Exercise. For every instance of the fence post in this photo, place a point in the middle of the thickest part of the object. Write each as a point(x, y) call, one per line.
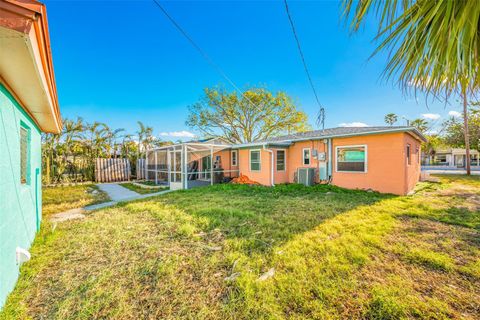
point(184, 166)
point(211, 165)
point(156, 168)
point(146, 164)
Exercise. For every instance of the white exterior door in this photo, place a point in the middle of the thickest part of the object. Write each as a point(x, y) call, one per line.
point(175, 165)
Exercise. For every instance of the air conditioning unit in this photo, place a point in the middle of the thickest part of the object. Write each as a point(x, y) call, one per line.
point(306, 176)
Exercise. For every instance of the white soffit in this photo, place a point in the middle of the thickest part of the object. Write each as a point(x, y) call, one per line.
point(21, 69)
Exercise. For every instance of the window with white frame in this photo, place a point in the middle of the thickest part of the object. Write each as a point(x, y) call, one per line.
point(255, 160)
point(280, 160)
point(234, 158)
point(306, 156)
point(351, 158)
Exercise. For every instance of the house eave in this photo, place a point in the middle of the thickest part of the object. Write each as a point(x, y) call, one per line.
point(262, 144)
point(26, 68)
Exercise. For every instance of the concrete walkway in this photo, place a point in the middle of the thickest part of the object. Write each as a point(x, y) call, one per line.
point(116, 192)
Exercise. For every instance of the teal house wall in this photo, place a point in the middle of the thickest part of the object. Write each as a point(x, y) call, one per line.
point(20, 204)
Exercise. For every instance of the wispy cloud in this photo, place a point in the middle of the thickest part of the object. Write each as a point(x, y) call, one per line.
point(353, 124)
point(431, 116)
point(455, 114)
point(178, 134)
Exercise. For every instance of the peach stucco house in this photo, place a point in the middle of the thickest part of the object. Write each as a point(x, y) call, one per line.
point(384, 159)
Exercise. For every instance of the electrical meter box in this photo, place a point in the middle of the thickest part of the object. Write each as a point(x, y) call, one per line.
point(322, 156)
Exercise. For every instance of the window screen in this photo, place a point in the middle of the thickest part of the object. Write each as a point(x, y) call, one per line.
point(351, 159)
point(306, 156)
point(234, 158)
point(255, 160)
point(280, 160)
point(24, 155)
point(409, 156)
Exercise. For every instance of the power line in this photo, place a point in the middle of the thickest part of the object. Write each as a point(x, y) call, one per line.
point(202, 52)
point(321, 113)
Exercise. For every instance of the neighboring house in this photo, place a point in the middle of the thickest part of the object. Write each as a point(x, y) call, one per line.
point(384, 159)
point(451, 158)
point(28, 105)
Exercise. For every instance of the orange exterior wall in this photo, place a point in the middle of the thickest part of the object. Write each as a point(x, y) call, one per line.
point(295, 156)
point(385, 164)
point(226, 162)
point(264, 175)
point(412, 171)
point(387, 168)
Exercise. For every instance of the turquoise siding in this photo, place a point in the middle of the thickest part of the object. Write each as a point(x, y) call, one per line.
point(20, 204)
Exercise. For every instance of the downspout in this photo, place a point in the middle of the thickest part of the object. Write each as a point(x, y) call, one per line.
point(329, 163)
point(272, 182)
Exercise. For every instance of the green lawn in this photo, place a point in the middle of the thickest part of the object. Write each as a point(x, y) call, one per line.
point(147, 182)
point(200, 254)
point(61, 198)
point(141, 190)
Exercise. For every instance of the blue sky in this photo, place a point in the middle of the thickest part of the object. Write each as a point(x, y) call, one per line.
point(119, 61)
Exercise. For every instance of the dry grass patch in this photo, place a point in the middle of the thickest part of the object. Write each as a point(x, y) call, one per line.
point(426, 269)
point(62, 198)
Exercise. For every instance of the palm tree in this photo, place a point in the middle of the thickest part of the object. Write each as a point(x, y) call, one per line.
point(113, 136)
point(140, 134)
point(125, 148)
point(145, 137)
point(433, 45)
point(391, 118)
point(420, 124)
point(48, 150)
point(95, 141)
point(71, 137)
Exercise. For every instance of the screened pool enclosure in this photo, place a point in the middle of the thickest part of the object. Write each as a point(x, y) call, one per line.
point(189, 165)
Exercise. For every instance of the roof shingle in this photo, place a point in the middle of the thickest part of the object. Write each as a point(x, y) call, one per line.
point(338, 131)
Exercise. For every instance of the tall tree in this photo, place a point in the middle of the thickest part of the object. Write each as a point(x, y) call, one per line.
point(145, 137)
point(255, 114)
point(454, 129)
point(391, 119)
point(434, 142)
point(434, 45)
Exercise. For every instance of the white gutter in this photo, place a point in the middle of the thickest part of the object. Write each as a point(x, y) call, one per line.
point(271, 166)
point(285, 143)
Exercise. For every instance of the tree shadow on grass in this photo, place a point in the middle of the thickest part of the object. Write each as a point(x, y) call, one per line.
point(257, 218)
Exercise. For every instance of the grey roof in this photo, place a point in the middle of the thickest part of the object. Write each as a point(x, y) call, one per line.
point(212, 140)
point(336, 132)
